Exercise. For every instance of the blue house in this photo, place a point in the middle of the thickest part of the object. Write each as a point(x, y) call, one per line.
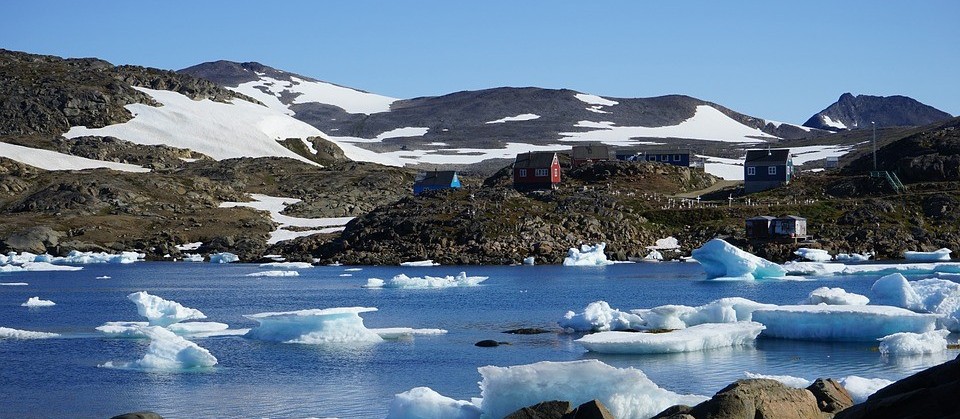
point(766, 169)
point(437, 179)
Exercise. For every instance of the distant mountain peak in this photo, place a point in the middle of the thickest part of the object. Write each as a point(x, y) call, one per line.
point(860, 111)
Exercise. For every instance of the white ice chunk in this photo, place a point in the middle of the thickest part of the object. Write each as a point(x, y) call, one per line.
point(419, 263)
point(860, 388)
point(403, 281)
point(626, 392)
point(669, 243)
point(37, 302)
point(37, 267)
point(123, 329)
point(273, 273)
point(316, 326)
point(813, 268)
point(723, 260)
point(587, 256)
point(843, 323)
point(895, 290)
point(598, 317)
point(653, 256)
point(168, 352)
point(192, 257)
point(423, 402)
point(529, 260)
point(14, 284)
point(853, 257)
point(189, 246)
point(935, 256)
point(814, 255)
point(835, 296)
point(8, 333)
point(160, 312)
point(197, 328)
point(934, 341)
point(103, 277)
point(787, 380)
point(696, 338)
point(405, 332)
point(287, 265)
point(932, 295)
point(724, 310)
point(224, 257)
point(83, 258)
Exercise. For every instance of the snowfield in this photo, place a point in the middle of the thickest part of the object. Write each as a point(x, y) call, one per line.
point(52, 160)
point(350, 100)
point(275, 205)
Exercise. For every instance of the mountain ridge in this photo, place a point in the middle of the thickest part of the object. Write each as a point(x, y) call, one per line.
point(862, 111)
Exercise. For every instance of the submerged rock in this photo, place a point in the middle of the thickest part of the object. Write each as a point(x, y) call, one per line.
point(489, 343)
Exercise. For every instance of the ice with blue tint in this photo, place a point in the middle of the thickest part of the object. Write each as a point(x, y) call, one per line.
point(423, 403)
point(8, 333)
point(224, 257)
point(931, 295)
point(724, 310)
point(935, 256)
point(725, 261)
point(78, 257)
point(934, 341)
point(598, 316)
point(168, 352)
point(587, 255)
point(835, 296)
point(273, 274)
point(287, 265)
point(841, 323)
point(853, 257)
point(37, 302)
point(403, 281)
point(626, 392)
point(695, 338)
point(160, 312)
point(813, 255)
point(315, 326)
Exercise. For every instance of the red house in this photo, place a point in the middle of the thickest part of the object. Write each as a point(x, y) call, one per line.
point(536, 170)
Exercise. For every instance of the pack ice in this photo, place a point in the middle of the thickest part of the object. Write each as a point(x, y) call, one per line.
point(931, 295)
point(844, 322)
point(403, 281)
point(315, 326)
point(696, 338)
point(725, 261)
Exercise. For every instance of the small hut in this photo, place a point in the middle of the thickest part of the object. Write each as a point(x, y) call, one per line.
point(789, 227)
point(758, 228)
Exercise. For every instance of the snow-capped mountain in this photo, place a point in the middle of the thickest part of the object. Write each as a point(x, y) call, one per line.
point(471, 126)
point(853, 112)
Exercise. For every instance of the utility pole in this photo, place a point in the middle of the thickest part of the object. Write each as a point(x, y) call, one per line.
point(874, 125)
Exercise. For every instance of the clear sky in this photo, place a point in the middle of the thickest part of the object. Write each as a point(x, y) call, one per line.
point(779, 60)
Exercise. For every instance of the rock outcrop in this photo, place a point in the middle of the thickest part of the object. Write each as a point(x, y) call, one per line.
point(931, 393)
point(752, 399)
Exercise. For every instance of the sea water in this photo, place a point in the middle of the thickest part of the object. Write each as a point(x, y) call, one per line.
point(61, 377)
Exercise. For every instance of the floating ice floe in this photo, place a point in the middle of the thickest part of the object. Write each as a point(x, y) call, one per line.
point(84, 258)
point(224, 257)
point(37, 267)
point(403, 281)
point(123, 329)
point(188, 329)
point(14, 284)
point(316, 326)
point(724, 310)
point(423, 402)
point(841, 323)
point(287, 265)
point(935, 256)
point(168, 352)
point(37, 302)
point(626, 392)
point(529, 261)
point(695, 338)
point(723, 260)
point(160, 312)
point(353, 269)
point(814, 255)
point(853, 257)
point(274, 273)
point(192, 257)
point(415, 263)
point(103, 277)
point(653, 256)
point(587, 255)
point(931, 295)
point(835, 296)
point(599, 317)
point(8, 333)
point(931, 342)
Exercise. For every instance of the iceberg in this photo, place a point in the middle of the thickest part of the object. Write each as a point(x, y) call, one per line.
point(423, 402)
point(316, 326)
point(8, 333)
point(935, 256)
point(224, 257)
point(598, 317)
point(428, 262)
point(123, 329)
point(37, 302)
point(287, 265)
point(189, 329)
point(813, 268)
point(813, 255)
point(724, 310)
point(931, 295)
point(84, 258)
point(529, 260)
point(197, 328)
point(587, 256)
point(403, 281)
point(895, 290)
point(160, 312)
point(37, 267)
point(14, 284)
point(695, 338)
point(192, 257)
point(841, 323)
point(626, 392)
point(653, 256)
point(934, 341)
point(723, 260)
point(835, 296)
point(168, 352)
point(273, 273)
point(853, 257)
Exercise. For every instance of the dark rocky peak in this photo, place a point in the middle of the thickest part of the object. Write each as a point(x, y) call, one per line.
point(233, 74)
point(852, 112)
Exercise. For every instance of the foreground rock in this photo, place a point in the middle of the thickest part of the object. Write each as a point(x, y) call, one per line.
point(556, 409)
point(831, 396)
point(752, 399)
point(931, 393)
point(138, 415)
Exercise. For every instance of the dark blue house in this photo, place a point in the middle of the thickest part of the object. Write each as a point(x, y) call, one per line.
point(674, 157)
point(437, 179)
point(766, 169)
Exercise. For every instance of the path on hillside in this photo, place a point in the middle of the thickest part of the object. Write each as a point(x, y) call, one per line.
point(715, 187)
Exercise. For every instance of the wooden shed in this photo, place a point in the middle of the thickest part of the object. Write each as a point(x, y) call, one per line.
point(758, 228)
point(789, 227)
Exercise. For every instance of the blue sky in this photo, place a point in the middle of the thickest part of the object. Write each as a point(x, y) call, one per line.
point(771, 59)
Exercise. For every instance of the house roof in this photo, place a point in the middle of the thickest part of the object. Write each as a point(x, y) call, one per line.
point(774, 156)
point(761, 218)
point(535, 160)
point(583, 152)
point(791, 217)
point(436, 178)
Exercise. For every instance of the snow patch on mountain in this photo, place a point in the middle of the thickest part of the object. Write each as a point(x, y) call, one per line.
point(831, 123)
point(595, 100)
point(521, 117)
point(707, 124)
point(52, 160)
point(777, 124)
point(268, 90)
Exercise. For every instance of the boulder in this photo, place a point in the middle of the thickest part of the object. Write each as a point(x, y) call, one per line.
point(758, 399)
point(554, 409)
point(931, 393)
point(831, 396)
point(679, 411)
point(593, 409)
point(489, 343)
point(138, 415)
point(34, 239)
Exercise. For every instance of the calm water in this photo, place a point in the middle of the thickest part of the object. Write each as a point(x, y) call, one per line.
point(60, 377)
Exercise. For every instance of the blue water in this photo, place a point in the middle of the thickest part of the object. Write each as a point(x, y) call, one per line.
point(60, 377)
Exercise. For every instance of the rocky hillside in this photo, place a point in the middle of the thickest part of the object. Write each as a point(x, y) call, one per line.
point(932, 154)
point(853, 112)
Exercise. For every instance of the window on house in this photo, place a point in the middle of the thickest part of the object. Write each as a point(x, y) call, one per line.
point(664, 157)
point(541, 172)
point(676, 157)
point(522, 173)
point(652, 158)
point(751, 171)
point(772, 170)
